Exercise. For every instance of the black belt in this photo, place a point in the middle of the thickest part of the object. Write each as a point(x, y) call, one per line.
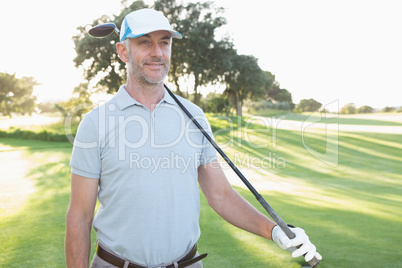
point(116, 261)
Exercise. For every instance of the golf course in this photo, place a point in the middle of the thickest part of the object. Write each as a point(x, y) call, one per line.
point(338, 177)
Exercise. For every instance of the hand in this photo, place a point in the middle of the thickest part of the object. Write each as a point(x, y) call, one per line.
point(301, 239)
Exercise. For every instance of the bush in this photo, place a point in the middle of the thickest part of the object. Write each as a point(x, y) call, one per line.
point(389, 109)
point(349, 108)
point(257, 106)
point(42, 135)
point(308, 105)
point(365, 110)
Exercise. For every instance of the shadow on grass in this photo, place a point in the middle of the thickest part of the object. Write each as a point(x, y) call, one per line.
point(340, 120)
point(345, 237)
point(368, 163)
point(353, 216)
point(35, 236)
point(353, 212)
point(229, 246)
point(349, 235)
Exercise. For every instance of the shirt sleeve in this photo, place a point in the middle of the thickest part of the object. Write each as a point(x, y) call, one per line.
point(85, 159)
point(209, 153)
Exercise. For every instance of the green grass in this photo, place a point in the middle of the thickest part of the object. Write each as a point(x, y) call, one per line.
point(33, 236)
point(352, 119)
point(55, 131)
point(351, 211)
point(342, 119)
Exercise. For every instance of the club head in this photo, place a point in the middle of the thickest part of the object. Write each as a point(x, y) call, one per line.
point(103, 30)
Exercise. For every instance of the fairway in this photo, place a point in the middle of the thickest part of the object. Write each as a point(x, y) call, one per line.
point(349, 200)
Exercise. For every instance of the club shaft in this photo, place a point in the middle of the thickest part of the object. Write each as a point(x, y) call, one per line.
point(278, 220)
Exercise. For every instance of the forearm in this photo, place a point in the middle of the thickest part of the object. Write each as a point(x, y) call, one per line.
point(78, 242)
point(239, 212)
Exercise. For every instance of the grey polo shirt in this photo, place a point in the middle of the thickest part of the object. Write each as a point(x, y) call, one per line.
point(147, 164)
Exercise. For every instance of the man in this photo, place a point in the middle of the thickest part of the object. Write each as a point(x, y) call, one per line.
point(144, 159)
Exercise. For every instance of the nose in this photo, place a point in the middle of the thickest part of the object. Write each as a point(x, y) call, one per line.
point(156, 51)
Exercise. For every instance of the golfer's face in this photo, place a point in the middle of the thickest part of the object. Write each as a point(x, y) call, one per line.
point(149, 57)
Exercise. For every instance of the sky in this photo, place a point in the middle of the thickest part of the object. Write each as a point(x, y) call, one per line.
point(339, 51)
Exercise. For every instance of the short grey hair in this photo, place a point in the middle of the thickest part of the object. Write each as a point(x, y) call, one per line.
point(127, 44)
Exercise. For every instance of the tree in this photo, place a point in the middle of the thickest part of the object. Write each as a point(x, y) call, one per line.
point(365, 110)
point(349, 108)
point(275, 93)
point(16, 94)
point(79, 104)
point(199, 55)
point(244, 80)
point(389, 109)
point(47, 107)
point(308, 105)
point(216, 103)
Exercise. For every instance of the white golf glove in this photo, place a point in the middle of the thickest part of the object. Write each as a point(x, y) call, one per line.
point(301, 239)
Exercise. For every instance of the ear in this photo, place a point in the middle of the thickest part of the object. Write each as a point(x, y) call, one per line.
point(122, 51)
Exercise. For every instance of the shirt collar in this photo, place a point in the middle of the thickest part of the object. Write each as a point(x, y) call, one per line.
point(124, 100)
point(167, 98)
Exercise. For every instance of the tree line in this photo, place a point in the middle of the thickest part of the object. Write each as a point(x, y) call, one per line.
point(199, 55)
point(311, 105)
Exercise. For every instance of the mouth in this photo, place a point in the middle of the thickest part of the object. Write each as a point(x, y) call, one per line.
point(155, 65)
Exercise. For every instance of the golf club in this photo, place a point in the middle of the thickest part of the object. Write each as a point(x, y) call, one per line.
point(104, 30)
point(313, 262)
